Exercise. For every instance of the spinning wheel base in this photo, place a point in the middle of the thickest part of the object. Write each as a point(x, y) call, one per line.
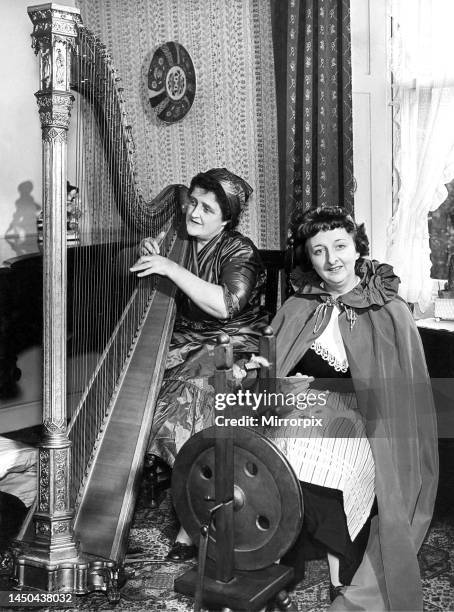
point(248, 590)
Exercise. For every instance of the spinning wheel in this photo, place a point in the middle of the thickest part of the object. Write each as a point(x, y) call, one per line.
point(267, 499)
point(237, 496)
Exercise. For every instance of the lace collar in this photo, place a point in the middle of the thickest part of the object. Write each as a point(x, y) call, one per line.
point(329, 344)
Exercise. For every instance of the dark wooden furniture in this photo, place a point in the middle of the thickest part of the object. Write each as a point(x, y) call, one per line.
point(90, 319)
point(276, 265)
point(439, 351)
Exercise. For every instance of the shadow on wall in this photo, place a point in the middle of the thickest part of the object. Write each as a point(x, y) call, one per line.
point(23, 222)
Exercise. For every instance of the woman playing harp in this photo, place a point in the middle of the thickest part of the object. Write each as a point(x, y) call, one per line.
point(220, 291)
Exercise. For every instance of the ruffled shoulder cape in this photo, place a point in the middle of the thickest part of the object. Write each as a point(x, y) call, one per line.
point(393, 390)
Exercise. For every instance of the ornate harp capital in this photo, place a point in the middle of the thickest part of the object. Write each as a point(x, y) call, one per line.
point(54, 112)
point(55, 29)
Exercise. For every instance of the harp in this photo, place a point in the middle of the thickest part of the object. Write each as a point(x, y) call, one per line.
point(90, 457)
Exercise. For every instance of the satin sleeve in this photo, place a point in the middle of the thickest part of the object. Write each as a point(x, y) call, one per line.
point(238, 278)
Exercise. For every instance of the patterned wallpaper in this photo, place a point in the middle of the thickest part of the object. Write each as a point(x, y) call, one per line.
point(232, 122)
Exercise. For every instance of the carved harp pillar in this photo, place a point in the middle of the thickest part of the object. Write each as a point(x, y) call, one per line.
point(53, 38)
point(91, 455)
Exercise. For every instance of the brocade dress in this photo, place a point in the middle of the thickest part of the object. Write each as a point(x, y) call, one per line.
point(186, 400)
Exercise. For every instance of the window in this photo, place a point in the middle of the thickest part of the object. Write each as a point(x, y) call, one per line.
point(423, 141)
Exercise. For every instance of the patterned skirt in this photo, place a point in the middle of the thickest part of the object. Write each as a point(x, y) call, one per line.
point(183, 408)
point(186, 400)
point(333, 452)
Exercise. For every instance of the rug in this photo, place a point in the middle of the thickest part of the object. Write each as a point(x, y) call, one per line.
point(151, 585)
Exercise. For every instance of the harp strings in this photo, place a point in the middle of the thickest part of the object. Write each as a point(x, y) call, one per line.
point(106, 303)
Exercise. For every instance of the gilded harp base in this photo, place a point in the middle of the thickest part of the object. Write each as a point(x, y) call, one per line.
point(79, 577)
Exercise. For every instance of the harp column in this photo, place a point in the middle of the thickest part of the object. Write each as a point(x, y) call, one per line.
point(54, 37)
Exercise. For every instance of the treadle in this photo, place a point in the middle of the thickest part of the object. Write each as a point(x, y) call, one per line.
point(248, 590)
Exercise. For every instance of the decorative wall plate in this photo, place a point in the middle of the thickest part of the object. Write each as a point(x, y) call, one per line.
point(171, 82)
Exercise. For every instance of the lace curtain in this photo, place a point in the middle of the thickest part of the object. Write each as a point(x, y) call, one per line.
point(423, 100)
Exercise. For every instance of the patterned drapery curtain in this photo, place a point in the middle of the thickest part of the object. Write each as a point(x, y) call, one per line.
point(314, 100)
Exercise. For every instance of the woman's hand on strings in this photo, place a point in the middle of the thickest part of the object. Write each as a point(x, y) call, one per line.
point(150, 261)
point(209, 297)
point(153, 264)
point(151, 246)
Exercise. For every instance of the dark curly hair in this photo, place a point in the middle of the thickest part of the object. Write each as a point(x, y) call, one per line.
point(210, 184)
point(324, 219)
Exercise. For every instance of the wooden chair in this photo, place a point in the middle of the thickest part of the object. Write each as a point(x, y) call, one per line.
point(276, 266)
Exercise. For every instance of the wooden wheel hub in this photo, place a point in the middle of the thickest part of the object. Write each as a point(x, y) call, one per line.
point(267, 498)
